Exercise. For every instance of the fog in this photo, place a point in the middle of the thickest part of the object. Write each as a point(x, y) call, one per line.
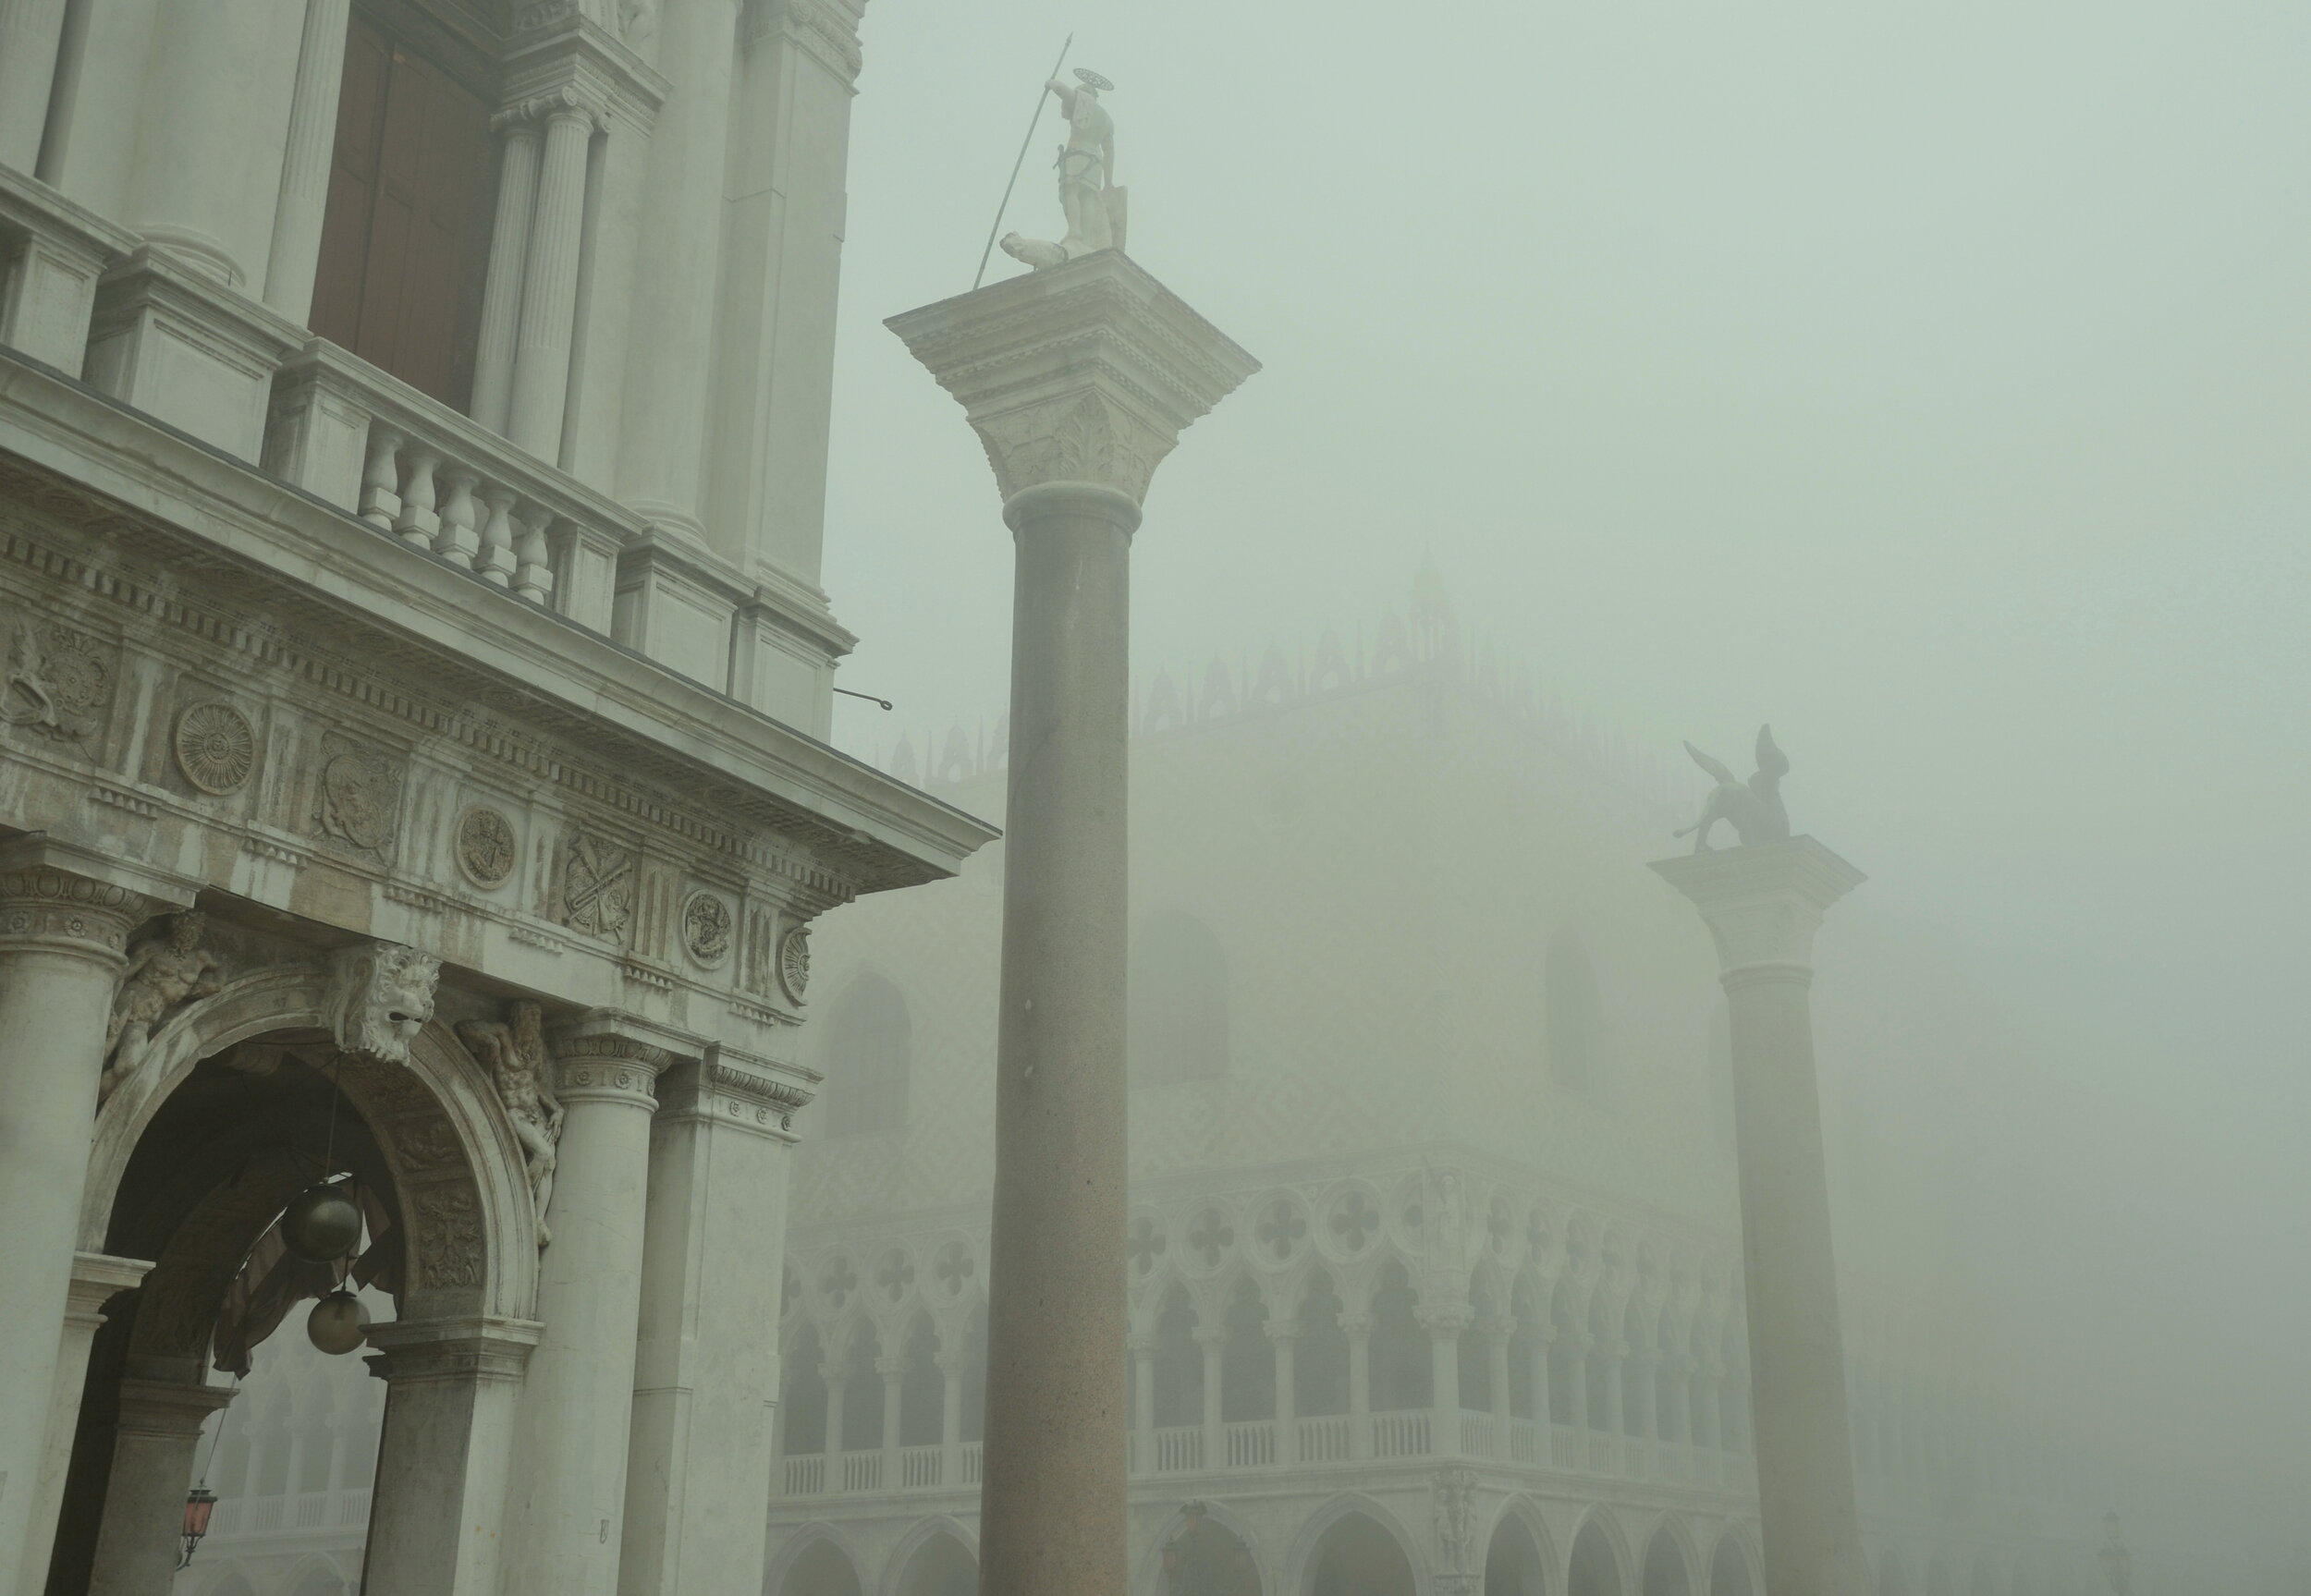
point(1930, 381)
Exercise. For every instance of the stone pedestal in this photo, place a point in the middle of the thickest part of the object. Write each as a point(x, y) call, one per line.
point(59, 250)
point(169, 341)
point(1077, 380)
point(1763, 905)
point(153, 1450)
point(564, 1529)
point(66, 914)
point(440, 1490)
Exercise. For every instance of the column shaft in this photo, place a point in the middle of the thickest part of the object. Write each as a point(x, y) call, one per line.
point(1143, 1400)
point(549, 288)
point(509, 264)
point(1215, 1344)
point(1502, 1409)
point(154, 1451)
point(568, 1513)
point(1052, 1508)
point(312, 135)
point(1444, 1374)
point(1359, 1328)
point(1287, 1397)
point(30, 31)
point(96, 1278)
point(1542, 1417)
point(950, 1421)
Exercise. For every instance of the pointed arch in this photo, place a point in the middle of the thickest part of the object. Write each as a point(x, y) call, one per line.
point(816, 1561)
point(1735, 1568)
point(937, 1556)
point(1669, 1562)
point(1221, 1546)
point(1353, 1532)
point(1599, 1562)
point(1520, 1557)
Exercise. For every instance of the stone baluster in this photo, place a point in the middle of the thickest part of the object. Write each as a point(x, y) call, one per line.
point(508, 265)
point(419, 523)
point(66, 913)
point(549, 288)
point(498, 559)
point(1358, 1327)
point(533, 568)
point(459, 539)
point(295, 257)
point(381, 478)
point(1284, 1333)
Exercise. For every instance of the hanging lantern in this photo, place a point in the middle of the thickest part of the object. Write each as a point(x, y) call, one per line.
point(200, 1501)
point(320, 1225)
point(338, 1323)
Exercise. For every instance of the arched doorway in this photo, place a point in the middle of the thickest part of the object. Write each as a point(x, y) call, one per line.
point(1595, 1570)
point(1729, 1570)
point(940, 1566)
point(1665, 1572)
point(1512, 1563)
point(1204, 1557)
point(821, 1570)
point(1357, 1558)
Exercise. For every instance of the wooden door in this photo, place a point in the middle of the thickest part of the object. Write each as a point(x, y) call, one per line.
point(405, 242)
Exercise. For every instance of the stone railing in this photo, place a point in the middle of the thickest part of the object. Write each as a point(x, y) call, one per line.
point(417, 471)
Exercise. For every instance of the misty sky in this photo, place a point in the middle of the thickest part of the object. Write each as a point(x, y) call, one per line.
point(1931, 379)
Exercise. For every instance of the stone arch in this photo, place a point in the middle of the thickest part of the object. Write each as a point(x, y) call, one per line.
point(1520, 1555)
point(1357, 1532)
point(1735, 1568)
point(937, 1556)
point(1670, 1565)
point(448, 1144)
point(316, 1576)
point(1598, 1561)
point(817, 1560)
point(1891, 1579)
point(1248, 1574)
point(1320, 1362)
point(1938, 1580)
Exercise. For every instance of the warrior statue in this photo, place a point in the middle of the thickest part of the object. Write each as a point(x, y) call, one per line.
point(1088, 194)
point(515, 1057)
point(1751, 808)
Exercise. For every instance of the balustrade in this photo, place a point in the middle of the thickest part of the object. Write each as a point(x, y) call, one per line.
point(1180, 1449)
point(862, 1471)
point(1480, 1437)
point(919, 1467)
point(1328, 1439)
point(1401, 1434)
point(1251, 1444)
point(1564, 1445)
point(973, 1452)
point(806, 1475)
point(1525, 1442)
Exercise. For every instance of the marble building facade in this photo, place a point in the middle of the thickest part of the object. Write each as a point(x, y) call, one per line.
point(411, 759)
point(1434, 1263)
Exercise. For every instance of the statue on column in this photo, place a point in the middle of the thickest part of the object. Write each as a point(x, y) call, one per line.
point(1094, 205)
point(1753, 808)
point(163, 974)
point(516, 1058)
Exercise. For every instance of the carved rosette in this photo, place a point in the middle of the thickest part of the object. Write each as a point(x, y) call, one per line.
point(216, 748)
point(794, 963)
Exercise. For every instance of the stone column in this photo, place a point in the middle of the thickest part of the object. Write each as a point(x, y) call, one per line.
point(1359, 1329)
point(66, 913)
point(549, 283)
point(96, 1279)
point(1503, 1410)
point(437, 1499)
point(953, 1371)
point(313, 137)
point(1215, 1346)
point(1444, 1326)
point(509, 264)
point(893, 1371)
point(1285, 1334)
point(566, 1526)
point(834, 1375)
point(1578, 1382)
point(155, 1448)
point(1763, 905)
point(700, 1462)
point(1077, 380)
point(1616, 1422)
point(1142, 1346)
point(30, 31)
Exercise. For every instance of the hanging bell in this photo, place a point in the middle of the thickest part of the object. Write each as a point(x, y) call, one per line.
point(338, 1323)
point(320, 1225)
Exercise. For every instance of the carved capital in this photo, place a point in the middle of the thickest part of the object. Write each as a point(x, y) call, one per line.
point(1763, 903)
point(1446, 1318)
point(1086, 372)
point(69, 899)
point(1282, 1329)
point(467, 1347)
point(168, 1408)
point(726, 1088)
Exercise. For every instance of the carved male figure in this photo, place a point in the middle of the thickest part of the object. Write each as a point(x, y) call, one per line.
point(1751, 808)
point(515, 1057)
point(163, 973)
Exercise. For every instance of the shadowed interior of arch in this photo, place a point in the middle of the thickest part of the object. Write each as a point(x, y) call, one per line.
point(1357, 1558)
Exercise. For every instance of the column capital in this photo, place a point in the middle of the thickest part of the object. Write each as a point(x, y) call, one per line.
point(1445, 1319)
point(610, 1056)
point(467, 1346)
point(97, 1278)
point(1354, 1325)
point(891, 1368)
point(1087, 373)
point(168, 1408)
point(1216, 1337)
point(1282, 1329)
point(734, 1089)
point(1763, 902)
point(75, 900)
point(1141, 1343)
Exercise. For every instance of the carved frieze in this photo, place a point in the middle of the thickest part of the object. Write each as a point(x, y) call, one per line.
point(448, 1234)
point(357, 797)
point(58, 682)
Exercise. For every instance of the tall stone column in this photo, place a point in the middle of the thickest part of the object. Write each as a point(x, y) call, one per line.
point(1444, 1326)
point(438, 1497)
point(313, 137)
point(1215, 1344)
point(1142, 1346)
point(549, 283)
point(566, 1523)
point(509, 264)
point(1285, 1334)
point(96, 1279)
point(699, 1463)
point(1358, 1327)
point(1077, 380)
point(953, 1371)
point(154, 1447)
point(66, 913)
point(30, 31)
point(1763, 904)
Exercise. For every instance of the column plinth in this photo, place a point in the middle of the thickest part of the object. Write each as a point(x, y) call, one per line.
point(1077, 380)
point(1763, 905)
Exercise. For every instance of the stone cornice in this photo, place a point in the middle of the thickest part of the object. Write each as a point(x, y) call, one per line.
point(572, 59)
point(1085, 372)
point(721, 1090)
point(468, 1347)
point(335, 601)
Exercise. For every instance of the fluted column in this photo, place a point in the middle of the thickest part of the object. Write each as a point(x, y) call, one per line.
point(1284, 1333)
point(1077, 380)
point(508, 265)
point(154, 1446)
point(565, 1527)
point(312, 135)
point(549, 285)
point(66, 913)
point(1763, 904)
point(30, 31)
